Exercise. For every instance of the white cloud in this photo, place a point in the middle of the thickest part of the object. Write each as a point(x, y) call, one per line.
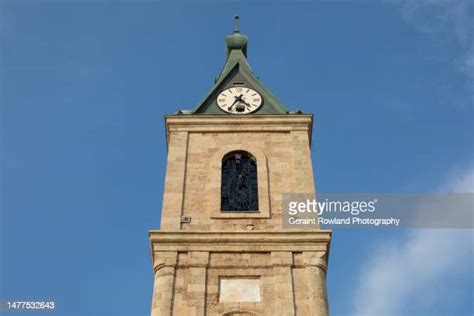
point(399, 270)
point(449, 18)
point(461, 181)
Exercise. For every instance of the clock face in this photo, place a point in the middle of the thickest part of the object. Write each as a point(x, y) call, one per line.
point(239, 100)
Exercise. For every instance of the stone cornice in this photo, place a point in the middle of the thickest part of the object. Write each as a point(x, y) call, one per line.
point(235, 118)
point(322, 236)
point(238, 123)
point(240, 241)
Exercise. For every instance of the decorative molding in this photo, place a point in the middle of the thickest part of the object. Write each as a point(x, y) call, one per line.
point(241, 241)
point(161, 266)
point(239, 123)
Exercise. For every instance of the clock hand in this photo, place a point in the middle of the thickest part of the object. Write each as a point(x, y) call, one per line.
point(236, 100)
point(244, 102)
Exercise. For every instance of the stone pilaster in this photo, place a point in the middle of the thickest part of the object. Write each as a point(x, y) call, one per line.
point(198, 264)
point(163, 288)
point(290, 265)
point(315, 270)
point(283, 283)
point(302, 180)
point(173, 196)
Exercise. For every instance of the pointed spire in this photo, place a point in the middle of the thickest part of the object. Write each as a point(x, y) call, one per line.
point(236, 22)
point(235, 65)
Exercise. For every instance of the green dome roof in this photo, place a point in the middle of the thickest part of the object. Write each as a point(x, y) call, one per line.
point(236, 40)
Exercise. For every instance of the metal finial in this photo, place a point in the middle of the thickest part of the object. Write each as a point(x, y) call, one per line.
point(236, 21)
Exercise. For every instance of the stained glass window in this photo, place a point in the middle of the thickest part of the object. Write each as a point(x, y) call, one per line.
point(239, 186)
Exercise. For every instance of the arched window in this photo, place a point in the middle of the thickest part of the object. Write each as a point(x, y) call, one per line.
point(239, 186)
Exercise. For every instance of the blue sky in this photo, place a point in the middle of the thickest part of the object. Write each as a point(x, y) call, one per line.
point(84, 86)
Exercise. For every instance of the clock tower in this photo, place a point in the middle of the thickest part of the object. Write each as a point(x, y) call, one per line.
point(222, 248)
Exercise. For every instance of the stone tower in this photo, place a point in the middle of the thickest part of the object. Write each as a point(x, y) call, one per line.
point(221, 248)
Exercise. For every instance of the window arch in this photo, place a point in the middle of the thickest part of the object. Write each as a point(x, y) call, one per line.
point(239, 185)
